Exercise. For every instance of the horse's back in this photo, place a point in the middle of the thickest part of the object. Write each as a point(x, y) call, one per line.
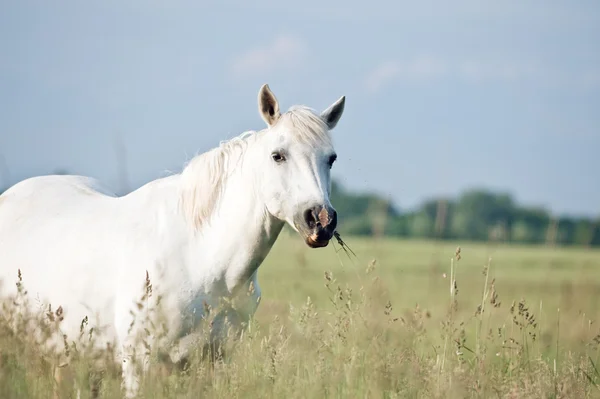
point(38, 205)
point(51, 229)
point(46, 188)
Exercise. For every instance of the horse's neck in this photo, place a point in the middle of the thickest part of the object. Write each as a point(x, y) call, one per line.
point(239, 236)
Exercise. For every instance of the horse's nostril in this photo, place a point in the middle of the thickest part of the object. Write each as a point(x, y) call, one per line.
point(309, 218)
point(322, 218)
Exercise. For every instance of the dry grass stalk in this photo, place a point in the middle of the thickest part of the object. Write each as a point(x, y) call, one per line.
point(354, 345)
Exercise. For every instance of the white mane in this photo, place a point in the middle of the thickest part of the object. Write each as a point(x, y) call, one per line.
point(204, 177)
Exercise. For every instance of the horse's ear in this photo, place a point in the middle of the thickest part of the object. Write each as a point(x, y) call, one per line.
point(268, 107)
point(332, 115)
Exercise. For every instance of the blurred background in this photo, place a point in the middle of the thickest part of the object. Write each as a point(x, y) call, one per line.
point(474, 120)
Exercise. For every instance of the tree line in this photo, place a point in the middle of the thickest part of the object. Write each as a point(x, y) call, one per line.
point(476, 215)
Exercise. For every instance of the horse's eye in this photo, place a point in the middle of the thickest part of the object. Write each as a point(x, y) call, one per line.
point(277, 157)
point(332, 160)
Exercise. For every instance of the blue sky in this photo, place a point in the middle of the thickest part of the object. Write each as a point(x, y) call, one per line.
point(441, 96)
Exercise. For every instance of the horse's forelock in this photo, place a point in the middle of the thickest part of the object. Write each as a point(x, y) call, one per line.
point(307, 125)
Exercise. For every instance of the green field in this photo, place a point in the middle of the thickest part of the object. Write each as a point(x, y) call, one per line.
point(384, 324)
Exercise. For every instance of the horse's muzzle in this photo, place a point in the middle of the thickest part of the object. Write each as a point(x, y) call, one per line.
point(317, 225)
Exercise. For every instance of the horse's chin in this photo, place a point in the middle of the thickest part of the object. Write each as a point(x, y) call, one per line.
point(311, 242)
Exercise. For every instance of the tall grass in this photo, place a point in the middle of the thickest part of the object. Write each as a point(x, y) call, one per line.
point(350, 335)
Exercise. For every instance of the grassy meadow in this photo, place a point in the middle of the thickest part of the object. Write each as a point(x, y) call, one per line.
point(520, 322)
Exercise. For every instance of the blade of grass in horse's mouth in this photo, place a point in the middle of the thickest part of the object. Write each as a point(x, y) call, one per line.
point(343, 244)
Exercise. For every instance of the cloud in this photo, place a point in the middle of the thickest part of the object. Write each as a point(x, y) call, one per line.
point(383, 74)
point(422, 68)
point(474, 70)
point(284, 53)
point(502, 70)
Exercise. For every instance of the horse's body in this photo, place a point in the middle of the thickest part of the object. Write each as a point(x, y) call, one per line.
point(200, 235)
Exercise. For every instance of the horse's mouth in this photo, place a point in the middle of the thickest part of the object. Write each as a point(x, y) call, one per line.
point(314, 243)
point(312, 238)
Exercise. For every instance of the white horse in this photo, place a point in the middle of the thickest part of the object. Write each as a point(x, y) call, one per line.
point(200, 235)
